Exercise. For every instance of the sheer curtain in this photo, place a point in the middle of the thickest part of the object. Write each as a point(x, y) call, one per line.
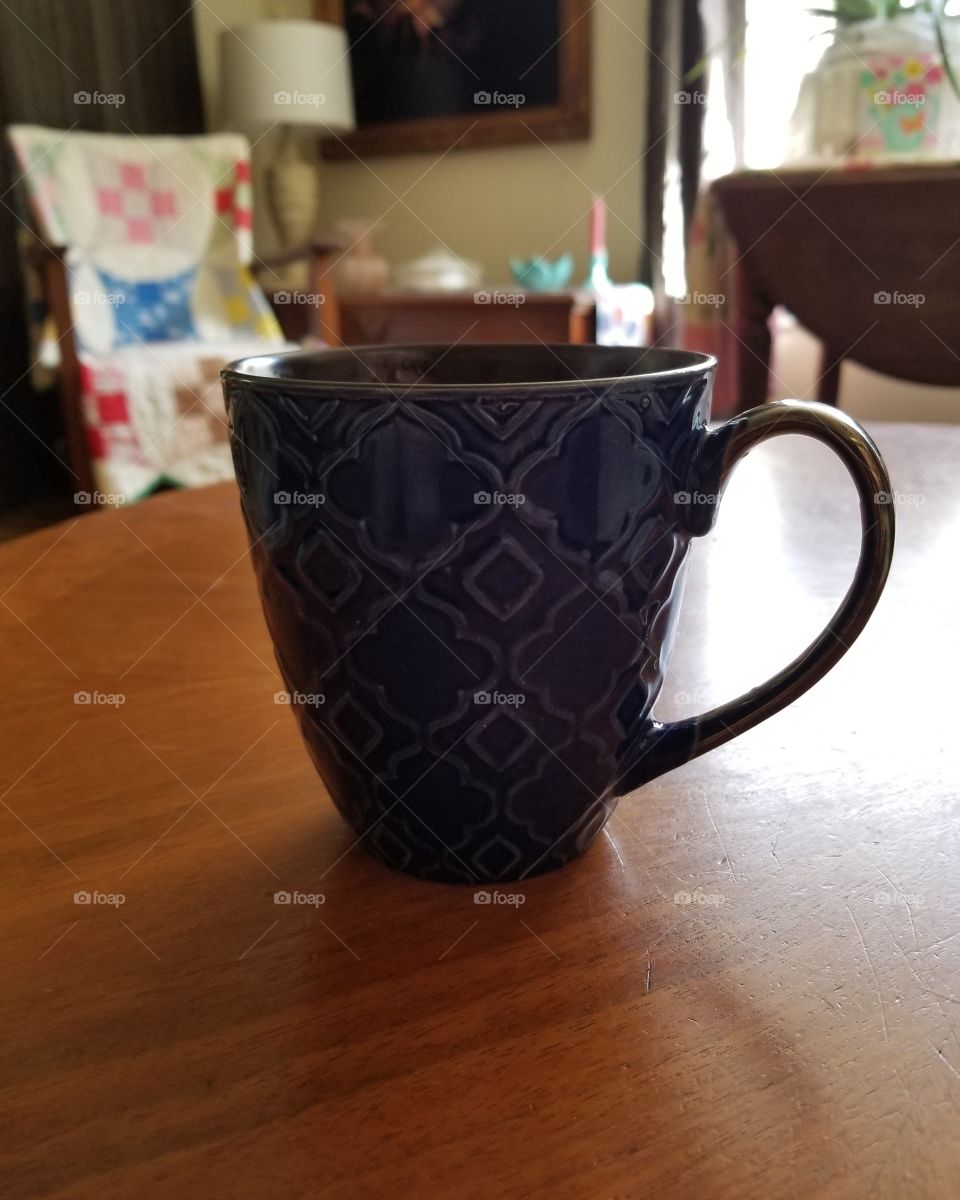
point(695, 127)
point(749, 57)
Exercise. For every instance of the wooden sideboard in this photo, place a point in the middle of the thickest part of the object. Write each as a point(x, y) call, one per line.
point(501, 314)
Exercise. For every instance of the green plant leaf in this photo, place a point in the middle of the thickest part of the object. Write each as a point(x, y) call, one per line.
point(848, 12)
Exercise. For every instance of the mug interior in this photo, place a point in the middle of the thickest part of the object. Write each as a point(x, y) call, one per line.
point(471, 366)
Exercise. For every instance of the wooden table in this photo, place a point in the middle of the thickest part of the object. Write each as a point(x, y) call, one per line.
point(789, 1032)
point(875, 278)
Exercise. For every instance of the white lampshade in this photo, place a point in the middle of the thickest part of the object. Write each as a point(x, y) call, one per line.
point(286, 73)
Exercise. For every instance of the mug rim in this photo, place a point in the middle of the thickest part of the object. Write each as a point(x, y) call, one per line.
point(261, 369)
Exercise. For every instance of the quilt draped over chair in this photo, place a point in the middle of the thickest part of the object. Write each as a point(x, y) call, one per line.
point(156, 235)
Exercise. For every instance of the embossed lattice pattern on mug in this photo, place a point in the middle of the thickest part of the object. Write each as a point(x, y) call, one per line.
point(408, 590)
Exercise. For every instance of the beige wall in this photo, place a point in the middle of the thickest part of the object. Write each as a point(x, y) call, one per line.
point(486, 204)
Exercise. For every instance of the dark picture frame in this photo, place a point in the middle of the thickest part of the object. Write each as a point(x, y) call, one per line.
point(432, 80)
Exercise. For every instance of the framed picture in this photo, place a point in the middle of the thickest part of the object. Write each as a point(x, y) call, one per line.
point(431, 75)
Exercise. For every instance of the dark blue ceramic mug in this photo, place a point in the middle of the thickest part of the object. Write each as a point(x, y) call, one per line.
point(470, 561)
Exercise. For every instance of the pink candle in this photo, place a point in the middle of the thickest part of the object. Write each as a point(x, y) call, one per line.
point(598, 226)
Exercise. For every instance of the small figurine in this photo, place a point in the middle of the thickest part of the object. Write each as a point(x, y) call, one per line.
point(597, 278)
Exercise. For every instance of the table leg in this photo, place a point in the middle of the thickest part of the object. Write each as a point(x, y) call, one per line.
point(828, 386)
point(752, 325)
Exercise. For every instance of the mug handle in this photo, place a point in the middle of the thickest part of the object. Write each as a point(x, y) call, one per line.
point(661, 747)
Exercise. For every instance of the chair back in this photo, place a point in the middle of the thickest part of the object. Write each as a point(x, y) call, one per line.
point(156, 233)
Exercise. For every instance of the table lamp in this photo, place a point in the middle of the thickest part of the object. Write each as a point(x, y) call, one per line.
point(295, 75)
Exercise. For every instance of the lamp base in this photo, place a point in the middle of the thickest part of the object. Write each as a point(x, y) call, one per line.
point(293, 196)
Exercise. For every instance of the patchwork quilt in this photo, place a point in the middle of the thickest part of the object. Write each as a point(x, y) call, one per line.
point(157, 234)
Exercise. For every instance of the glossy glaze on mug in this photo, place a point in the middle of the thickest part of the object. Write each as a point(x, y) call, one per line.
point(476, 561)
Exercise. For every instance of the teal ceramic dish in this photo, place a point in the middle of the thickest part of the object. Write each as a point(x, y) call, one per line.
point(540, 274)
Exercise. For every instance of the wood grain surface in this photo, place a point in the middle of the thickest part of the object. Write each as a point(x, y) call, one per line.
point(850, 263)
point(750, 988)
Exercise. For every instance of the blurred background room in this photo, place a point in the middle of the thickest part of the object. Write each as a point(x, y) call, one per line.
point(185, 183)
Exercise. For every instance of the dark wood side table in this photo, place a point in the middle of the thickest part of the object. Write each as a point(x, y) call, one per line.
point(392, 317)
point(748, 989)
point(866, 259)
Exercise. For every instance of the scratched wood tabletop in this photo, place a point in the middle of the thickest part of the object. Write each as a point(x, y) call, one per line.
point(749, 988)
